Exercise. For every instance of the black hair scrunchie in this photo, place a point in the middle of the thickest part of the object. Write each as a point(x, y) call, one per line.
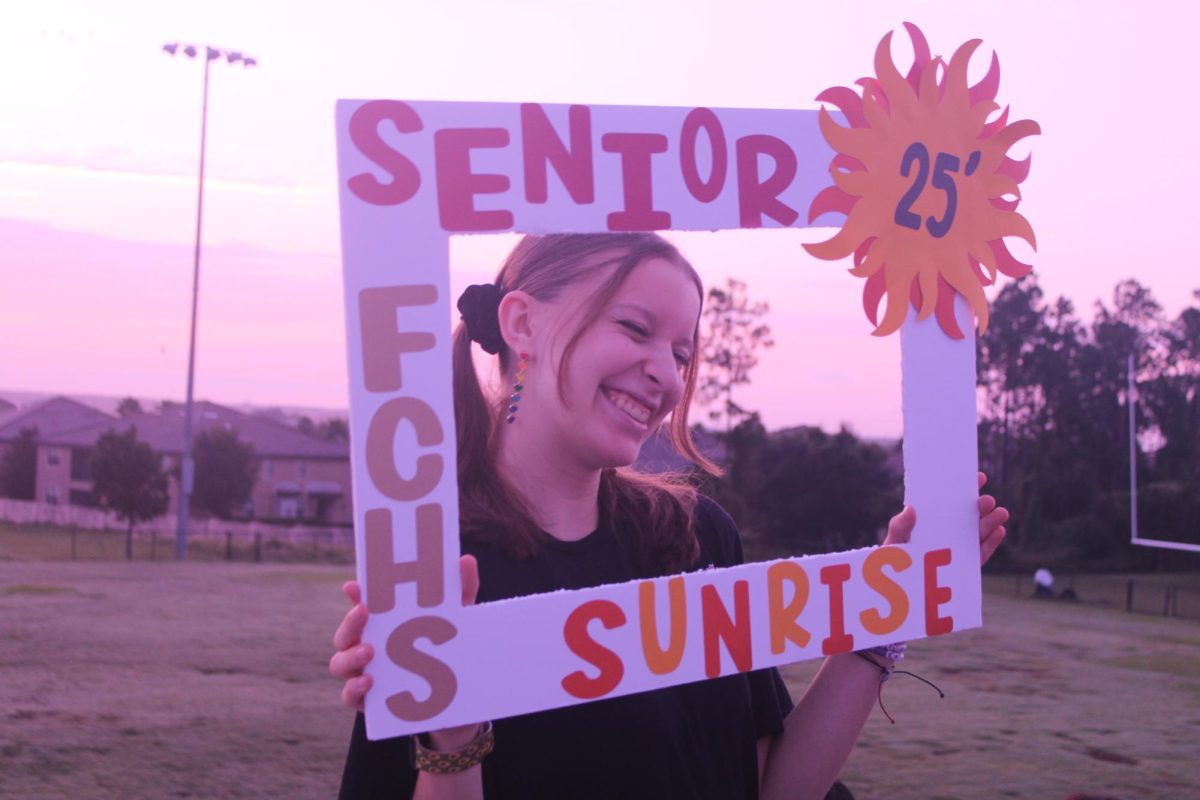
point(479, 305)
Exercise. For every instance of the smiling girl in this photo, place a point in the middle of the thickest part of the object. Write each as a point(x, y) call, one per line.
point(596, 339)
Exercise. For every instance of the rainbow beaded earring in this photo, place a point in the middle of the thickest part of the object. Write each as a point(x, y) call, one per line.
point(518, 386)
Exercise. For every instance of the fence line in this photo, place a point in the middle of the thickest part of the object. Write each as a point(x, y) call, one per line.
point(1154, 595)
point(78, 517)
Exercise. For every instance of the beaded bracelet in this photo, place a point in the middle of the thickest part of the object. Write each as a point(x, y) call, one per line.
point(440, 762)
point(892, 653)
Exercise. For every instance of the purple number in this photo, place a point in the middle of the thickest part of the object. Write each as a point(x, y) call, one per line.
point(904, 214)
point(942, 168)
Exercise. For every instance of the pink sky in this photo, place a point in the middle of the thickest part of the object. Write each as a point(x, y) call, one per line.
point(99, 140)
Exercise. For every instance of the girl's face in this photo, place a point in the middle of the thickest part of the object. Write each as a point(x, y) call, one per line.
point(625, 373)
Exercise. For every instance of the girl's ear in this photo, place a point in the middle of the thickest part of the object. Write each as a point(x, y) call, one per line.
point(518, 315)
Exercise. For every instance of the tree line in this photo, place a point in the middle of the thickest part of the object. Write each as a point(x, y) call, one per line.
point(1054, 424)
point(1053, 439)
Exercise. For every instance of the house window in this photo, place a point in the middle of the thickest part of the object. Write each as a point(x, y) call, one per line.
point(81, 497)
point(268, 469)
point(289, 507)
point(52, 457)
point(302, 470)
point(52, 495)
point(81, 463)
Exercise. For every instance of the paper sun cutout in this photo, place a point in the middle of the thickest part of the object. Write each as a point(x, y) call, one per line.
point(926, 185)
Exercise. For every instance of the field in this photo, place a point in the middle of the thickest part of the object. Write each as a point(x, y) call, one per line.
point(208, 680)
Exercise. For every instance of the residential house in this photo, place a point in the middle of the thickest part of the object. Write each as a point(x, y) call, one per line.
point(299, 477)
point(58, 481)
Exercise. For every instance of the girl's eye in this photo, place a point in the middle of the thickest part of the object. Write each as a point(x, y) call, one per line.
point(682, 359)
point(634, 327)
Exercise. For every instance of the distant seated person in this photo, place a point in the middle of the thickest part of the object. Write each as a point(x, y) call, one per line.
point(1043, 583)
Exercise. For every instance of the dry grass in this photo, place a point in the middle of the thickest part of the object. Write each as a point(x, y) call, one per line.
point(207, 680)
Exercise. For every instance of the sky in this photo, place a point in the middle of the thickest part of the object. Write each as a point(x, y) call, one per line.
point(99, 144)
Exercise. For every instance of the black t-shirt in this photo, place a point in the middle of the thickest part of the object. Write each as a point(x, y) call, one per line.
point(697, 740)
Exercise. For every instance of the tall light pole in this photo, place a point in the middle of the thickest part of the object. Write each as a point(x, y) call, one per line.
point(186, 465)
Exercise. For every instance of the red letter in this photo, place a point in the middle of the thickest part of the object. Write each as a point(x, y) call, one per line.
point(696, 119)
point(443, 684)
point(575, 633)
point(382, 343)
point(635, 150)
point(718, 627)
point(381, 448)
point(783, 617)
point(364, 133)
point(936, 595)
point(457, 185)
point(838, 640)
point(756, 197)
point(541, 145)
point(384, 574)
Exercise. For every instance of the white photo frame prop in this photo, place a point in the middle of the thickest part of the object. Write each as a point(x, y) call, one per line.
point(411, 174)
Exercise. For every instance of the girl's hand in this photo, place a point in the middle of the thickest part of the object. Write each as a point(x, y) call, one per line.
point(991, 525)
point(351, 655)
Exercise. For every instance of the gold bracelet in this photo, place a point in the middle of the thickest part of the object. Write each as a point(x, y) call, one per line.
point(440, 762)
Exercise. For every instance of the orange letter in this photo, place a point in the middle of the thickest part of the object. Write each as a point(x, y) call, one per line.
point(898, 560)
point(719, 627)
point(381, 448)
point(838, 640)
point(575, 633)
point(382, 344)
point(443, 684)
point(936, 595)
point(384, 574)
point(658, 660)
point(783, 617)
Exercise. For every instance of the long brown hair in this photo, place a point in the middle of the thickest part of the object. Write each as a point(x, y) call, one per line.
point(652, 512)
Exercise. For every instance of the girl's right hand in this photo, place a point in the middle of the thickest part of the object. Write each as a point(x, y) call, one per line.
point(351, 655)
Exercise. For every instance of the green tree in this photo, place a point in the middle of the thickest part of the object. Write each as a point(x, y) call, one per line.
point(129, 407)
point(802, 490)
point(226, 470)
point(128, 478)
point(18, 467)
point(334, 429)
point(732, 333)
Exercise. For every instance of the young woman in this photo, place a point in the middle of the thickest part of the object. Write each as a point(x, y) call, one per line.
point(596, 339)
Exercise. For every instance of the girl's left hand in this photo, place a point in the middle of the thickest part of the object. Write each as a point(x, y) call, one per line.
point(991, 524)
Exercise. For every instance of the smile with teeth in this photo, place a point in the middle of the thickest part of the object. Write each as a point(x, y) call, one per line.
point(629, 405)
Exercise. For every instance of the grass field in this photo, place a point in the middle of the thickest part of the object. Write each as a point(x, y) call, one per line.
point(208, 680)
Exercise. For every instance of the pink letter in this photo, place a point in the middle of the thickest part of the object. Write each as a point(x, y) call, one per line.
point(541, 145)
point(457, 185)
point(636, 150)
point(364, 133)
point(696, 119)
point(756, 197)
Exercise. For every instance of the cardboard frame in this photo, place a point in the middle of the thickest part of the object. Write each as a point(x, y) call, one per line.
point(411, 174)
